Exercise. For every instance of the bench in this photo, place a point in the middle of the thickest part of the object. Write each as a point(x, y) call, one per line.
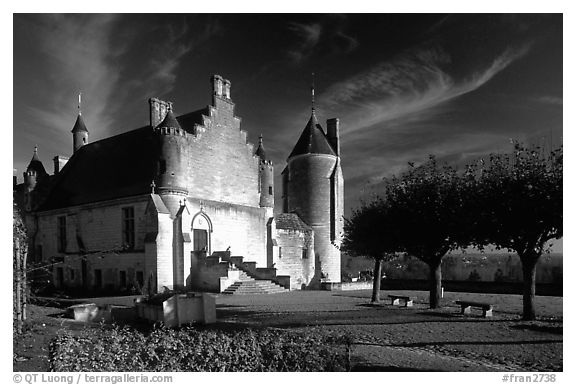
point(396, 300)
point(465, 307)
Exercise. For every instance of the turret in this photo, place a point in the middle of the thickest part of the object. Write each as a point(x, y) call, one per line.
point(34, 172)
point(79, 133)
point(171, 167)
point(313, 189)
point(266, 182)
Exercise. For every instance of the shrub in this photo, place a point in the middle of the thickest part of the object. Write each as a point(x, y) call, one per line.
point(192, 350)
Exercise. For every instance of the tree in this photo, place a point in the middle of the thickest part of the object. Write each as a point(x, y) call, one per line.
point(367, 234)
point(520, 196)
point(425, 207)
point(19, 269)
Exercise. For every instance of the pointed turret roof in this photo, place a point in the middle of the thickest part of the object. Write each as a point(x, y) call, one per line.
point(313, 140)
point(260, 150)
point(36, 164)
point(169, 121)
point(79, 126)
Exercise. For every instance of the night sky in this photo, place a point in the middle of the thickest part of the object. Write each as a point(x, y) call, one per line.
point(403, 85)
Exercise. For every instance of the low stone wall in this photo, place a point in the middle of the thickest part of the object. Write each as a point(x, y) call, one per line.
point(345, 286)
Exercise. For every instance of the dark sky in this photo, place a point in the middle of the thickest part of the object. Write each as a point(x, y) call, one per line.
point(403, 85)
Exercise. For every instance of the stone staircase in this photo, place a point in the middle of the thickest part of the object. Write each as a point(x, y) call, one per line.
point(248, 285)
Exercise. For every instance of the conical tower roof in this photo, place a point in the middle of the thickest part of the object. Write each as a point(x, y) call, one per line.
point(260, 150)
point(313, 140)
point(79, 126)
point(169, 121)
point(36, 164)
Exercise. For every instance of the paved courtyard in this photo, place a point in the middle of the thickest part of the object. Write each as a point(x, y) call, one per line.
point(397, 338)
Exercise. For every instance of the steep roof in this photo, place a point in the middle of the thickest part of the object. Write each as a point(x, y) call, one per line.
point(291, 221)
point(36, 164)
point(260, 150)
point(119, 166)
point(313, 140)
point(169, 121)
point(187, 121)
point(79, 126)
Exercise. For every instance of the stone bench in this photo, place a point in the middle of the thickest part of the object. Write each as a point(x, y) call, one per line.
point(465, 307)
point(408, 302)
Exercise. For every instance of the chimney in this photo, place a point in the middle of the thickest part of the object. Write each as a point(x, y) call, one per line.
point(158, 110)
point(217, 85)
point(227, 85)
point(59, 162)
point(333, 133)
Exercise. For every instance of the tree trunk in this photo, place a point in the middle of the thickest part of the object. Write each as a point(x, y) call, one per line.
point(529, 291)
point(18, 296)
point(377, 279)
point(435, 283)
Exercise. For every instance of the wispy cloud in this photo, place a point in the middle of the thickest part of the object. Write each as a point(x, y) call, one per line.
point(553, 100)
point(327, 35)
point(309, 35)
point(79, 59)
point(409, 85)
point(172, 42)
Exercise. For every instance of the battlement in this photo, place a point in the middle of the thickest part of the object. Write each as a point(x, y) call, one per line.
point(174, 131)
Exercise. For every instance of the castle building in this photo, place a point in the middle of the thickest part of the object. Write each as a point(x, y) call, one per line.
point(185, 202)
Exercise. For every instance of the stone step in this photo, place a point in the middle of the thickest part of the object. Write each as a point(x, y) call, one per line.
point(254, 287)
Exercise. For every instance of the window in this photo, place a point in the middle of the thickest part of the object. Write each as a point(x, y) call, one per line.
point(269, 190)
point(128, 227)
point(280, 252)
point(304, 253)
point(122, 279)
point(140, 278)
point(72, 274)
point(61, 231)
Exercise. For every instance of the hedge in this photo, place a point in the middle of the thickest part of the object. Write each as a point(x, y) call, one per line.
point(188, 349)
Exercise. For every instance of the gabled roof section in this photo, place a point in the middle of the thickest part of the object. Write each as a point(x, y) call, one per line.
point(187, 121)
point(79, 126)
point(159, 204)
point(313, 140)
point(291, 221)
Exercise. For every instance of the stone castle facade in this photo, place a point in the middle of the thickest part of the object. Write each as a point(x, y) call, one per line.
point(186, 202)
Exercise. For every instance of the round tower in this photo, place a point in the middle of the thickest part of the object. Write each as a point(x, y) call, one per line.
point(34, 173)
point(171, 167)
point(312, 183)
point(79, 133)
point(266, 182)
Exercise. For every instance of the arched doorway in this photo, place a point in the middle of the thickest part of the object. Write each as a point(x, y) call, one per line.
point(201, 234)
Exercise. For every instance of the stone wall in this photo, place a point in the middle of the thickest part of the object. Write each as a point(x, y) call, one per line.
point(221, 164)
point(98, 227)
point(293, 255)
point(242, 228)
